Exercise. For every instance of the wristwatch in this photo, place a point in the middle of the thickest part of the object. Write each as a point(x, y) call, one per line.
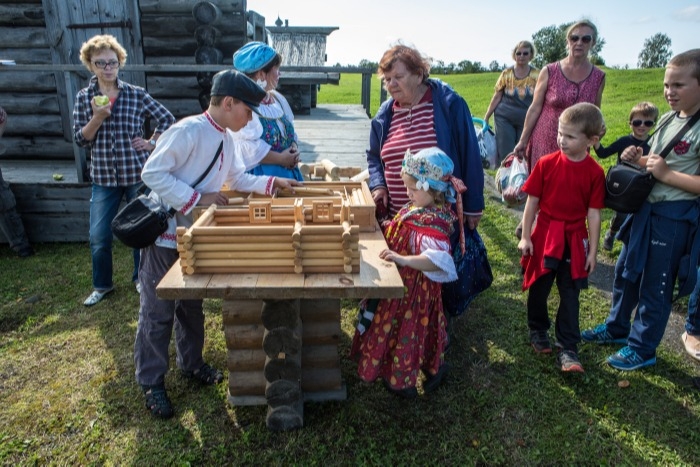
point(152, 142)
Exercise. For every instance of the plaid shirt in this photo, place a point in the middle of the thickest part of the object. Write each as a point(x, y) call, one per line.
point(113, 161)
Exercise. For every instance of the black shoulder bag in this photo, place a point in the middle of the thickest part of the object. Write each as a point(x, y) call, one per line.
point(143, 219)
point(627, 185)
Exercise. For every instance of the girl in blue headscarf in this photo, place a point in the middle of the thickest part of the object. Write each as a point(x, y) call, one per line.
point(403, 337)
point(271, 144)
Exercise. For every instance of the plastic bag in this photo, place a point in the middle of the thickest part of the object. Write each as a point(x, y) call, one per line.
point(487, 144)
point(510, 178)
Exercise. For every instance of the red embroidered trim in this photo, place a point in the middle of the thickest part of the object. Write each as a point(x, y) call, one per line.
point(216, 125)
point(193, 200)
point(270, 185)
point(167, 236)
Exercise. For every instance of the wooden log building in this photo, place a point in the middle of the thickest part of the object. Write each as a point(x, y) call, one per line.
point(43, 38)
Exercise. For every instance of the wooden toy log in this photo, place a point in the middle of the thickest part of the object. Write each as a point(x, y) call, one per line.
point(245, 231)
point(300, 190)
point(282, 392)
point(251, 264)
point(279, 313)
point(205, 218)
point(331, 169)
point(220, 254)
point(234, 201)
point(232, 243)
point(245, 270)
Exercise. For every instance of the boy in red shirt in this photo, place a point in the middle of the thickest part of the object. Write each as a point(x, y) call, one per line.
point(566, 191)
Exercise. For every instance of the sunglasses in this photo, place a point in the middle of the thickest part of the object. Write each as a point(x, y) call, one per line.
point(103, 65)
point(585, 39)
point(519, 54)
point(648, 123)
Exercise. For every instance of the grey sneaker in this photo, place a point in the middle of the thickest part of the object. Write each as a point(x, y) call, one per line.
point(600, 335)
point(568, 361)
point(540, 341)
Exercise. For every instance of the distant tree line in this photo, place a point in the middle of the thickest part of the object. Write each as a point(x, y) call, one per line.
point(550, 43)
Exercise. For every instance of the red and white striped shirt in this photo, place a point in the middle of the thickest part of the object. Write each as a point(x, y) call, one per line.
point(411, 129)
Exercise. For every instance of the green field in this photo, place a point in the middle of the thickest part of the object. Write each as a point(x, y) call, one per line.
point(623, 89)
point(68, 395)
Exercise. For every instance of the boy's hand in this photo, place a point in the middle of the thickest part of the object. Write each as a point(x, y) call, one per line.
point(631, 154)
point(656, 165)
point(525, 247)
point(286, 183)
point(590, 263)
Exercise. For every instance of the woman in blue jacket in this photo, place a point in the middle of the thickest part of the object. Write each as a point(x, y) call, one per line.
point(421, 113)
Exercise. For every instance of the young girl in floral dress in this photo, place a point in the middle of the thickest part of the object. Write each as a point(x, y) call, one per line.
point(402, 337)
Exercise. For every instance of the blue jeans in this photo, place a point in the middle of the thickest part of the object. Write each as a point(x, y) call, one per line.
point(692, 321)
point(104, 205)
point(652, 292)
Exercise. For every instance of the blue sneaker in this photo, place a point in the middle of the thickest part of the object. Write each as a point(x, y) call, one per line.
point(627, 359)
point(600, 335)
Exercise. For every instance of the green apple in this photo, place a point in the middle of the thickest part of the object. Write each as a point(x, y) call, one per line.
point(101, 100)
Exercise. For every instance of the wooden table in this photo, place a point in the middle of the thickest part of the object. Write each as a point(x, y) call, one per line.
point(282, 330)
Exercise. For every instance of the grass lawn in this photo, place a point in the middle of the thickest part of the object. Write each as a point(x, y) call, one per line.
point(68, 395)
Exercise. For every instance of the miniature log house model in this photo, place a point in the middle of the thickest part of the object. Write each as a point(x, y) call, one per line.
point(313, 230)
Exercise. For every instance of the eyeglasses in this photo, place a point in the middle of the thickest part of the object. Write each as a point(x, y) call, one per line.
point(648, 123)
point(103, 65)
point(518, 54)
point(585, 39)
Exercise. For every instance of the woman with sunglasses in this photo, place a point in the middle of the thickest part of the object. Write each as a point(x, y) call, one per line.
point(642, 120)
point(560, 85)
point(512, 97)
point(109, 117)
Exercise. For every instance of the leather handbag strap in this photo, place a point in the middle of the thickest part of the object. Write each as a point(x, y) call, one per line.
point(211, 164)
point(676, 139)
point(173, 211)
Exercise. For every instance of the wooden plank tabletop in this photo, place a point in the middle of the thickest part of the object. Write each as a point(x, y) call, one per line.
point(376, 279)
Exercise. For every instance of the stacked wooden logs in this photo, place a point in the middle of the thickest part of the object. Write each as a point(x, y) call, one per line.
point(325, 170)
point(275, 360)
point(262, 238)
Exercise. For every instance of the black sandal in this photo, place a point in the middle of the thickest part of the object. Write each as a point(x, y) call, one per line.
point(206, 375)
point(432, 382)
point(157, 401)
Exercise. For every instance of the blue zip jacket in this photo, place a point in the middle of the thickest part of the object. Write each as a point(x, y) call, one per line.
point(455, 135)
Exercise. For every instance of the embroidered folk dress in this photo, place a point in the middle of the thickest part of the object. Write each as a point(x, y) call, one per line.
point(561, 94)
point(409, 334)
point(277, 121)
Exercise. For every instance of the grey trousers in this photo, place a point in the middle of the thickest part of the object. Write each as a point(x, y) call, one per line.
point(10, 222)
point(156, 320)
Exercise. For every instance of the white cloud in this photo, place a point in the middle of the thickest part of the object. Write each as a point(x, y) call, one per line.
point(691, 13)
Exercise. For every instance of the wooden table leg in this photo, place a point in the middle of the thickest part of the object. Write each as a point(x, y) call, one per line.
point(282, 346)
